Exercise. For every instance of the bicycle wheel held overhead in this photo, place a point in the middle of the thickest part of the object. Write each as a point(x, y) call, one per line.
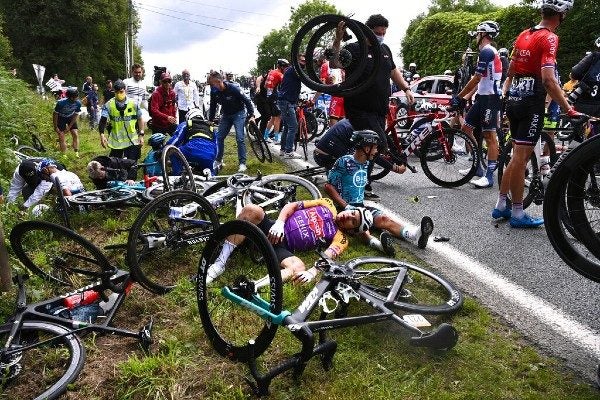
point(42, 371)
point(228, 325)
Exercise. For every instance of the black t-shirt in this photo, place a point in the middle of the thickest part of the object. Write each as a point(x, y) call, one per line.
point(588, 71)
point(336, 141)
point(117, 169)
point(374, 99)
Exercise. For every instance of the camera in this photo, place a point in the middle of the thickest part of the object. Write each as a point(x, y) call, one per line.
point(579, 88)
point(157, 73)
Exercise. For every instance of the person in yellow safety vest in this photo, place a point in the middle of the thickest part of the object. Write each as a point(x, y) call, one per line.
point(126, 135)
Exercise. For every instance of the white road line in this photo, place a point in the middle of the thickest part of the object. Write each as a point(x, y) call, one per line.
point(548, 314)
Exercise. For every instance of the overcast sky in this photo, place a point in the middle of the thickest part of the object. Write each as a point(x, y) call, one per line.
point(200, 35)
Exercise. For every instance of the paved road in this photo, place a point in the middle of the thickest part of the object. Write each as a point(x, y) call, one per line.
point(515, 273)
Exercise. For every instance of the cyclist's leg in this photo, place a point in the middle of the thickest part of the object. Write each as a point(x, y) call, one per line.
point(75, 137)
point(223, 130)
point(62, 126)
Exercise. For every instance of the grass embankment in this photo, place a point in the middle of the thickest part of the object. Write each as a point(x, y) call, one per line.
point(372, 362)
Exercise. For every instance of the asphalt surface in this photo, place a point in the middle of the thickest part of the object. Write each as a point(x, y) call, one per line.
point(515, 273)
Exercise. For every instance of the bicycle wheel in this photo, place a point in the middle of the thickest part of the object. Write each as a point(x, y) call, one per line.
point(443, 156)
point(266, 151)
point(312, 126)
point(102, 197)
point(230, 326)
point(303, 137)
point(28, 151)
point(58, 254)
point(322, 122)
point(167, 234)
point(570, 248)
point(273, 192)
point(62, 205)
point(422, 291)
point(176, 170)
point(43, 371)
point(37, 143)
point(255, 139)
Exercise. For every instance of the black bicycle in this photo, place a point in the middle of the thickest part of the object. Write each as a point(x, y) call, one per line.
point(259, 146)
point(242, 307)
point(41, 352)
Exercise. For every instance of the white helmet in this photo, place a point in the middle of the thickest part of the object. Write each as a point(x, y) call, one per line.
point(560, 6)
point(194, 113)
point(412, 65)
point(366, 219)
point(489, 27)
point(447, 72)
point(416, 76)
point(597, 43)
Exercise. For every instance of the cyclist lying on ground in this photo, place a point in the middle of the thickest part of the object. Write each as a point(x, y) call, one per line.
point(346, 186)
point(104, 169)
point(197, 141)
point(300, 226)
point(30, 182)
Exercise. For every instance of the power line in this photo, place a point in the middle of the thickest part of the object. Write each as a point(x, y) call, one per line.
point(196, 22)
point(230, 9)
point(197, 15)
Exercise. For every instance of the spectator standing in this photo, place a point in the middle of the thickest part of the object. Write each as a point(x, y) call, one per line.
point(187, 95)
point(274, 78)
point(64, 119)
point(262, 105)
point(109, 92)
point(92, 106)
point(163, 109)
point(126, 135)
point(233, 102)
point(87, 85)
point(136, 87)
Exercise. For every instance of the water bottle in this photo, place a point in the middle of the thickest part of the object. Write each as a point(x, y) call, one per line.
point(108, 305)
point(81, 299)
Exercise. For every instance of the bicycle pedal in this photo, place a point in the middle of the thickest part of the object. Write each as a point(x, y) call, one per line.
point(146, 336)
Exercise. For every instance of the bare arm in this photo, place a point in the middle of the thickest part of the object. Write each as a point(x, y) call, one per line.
point(553, 89)
point(398, 79)
point(334, 195)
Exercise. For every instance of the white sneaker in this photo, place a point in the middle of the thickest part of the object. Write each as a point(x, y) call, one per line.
point(292, 155)
point(482, 182)
point(214, 271)
point(242, 168)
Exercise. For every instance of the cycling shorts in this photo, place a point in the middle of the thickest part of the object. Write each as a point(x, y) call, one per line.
point(324, 160)
point(275, 111)
point(336, 107)
point(484, 113)
point(281, 250)
point(63, 122)
point(526, 118)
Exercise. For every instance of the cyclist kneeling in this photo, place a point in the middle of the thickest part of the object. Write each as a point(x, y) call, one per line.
point(105, 169)
point(346, 186)
point(197, 141)
point(293, 230)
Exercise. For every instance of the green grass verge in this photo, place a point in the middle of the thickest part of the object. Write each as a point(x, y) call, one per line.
point(372, 362)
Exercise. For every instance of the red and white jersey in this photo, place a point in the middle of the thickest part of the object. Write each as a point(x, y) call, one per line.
point(489, 67)
point(534, 49)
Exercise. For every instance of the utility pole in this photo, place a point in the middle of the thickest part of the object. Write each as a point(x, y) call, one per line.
point(129, 42)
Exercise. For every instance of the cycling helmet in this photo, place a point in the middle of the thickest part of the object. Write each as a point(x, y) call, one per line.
point(282, 62)
point(491, 28)
point(597, 43)
point(46, 162)
point(416, 77)
point(412, 65)
point(364, 138)
point(448, 72)
point(156, 140)
point(366, 219)
point(194, 113)
point(503, 52)
point(118, 85)
point(560, 6)
point(72, 91)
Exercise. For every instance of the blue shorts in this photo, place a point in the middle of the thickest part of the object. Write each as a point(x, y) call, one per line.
point(484, 113)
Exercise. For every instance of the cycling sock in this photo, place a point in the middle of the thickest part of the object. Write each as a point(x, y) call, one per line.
point(517, 210)
point(489, 174)
point(501, 203)
point(375, 243)
point(411, 233)
point(226, 251)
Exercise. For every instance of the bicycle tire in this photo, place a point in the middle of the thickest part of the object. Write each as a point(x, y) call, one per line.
point(436, 161)
point(425, 292)
point(322, 122)
point(157, 238)
point(379, 172)
point(102, 197)
point(570, 249)
point(289, 184)
point(303, 137)
point(62, 204)
point(186, 175)
point(37, 143)
point(255, 140)
point(230, 327)
point(72, 261)
point(312, 126)
point(47, 360)
point(28, 151)
point(267, 151)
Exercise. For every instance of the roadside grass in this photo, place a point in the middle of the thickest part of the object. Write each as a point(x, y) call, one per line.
point(490, 361)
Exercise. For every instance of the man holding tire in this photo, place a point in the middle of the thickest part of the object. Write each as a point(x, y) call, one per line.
point(367, 110)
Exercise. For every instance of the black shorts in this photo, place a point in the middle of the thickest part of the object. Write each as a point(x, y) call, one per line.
point(281, 250)
point(324, 160)
point(484, 113)
point(132, 152)
point(63, 122)
point(526, 118)
point(275, 111)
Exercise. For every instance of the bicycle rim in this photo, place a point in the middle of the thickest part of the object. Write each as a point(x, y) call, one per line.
point(422, 291)
point(176, 171)
point(442, 159)
point(228, 325)
point(167, 235)
point(58, 254)
point(44, 371)
point(102, 197)
point(255, 141)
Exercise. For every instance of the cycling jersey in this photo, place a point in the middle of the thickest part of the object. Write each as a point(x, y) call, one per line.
point(66, 108)
point(489, 67)
point(336, 107)
point(274, 78)
point(314, 220)
point(349, 177)
point(68, 180)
